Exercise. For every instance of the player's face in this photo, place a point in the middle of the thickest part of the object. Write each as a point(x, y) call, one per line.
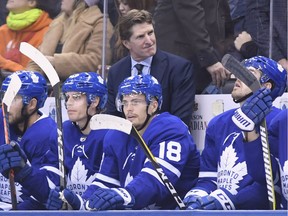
point(240, 89)
point(135, 109)
point(15, 110)
point(142, 43)
point(76, 105)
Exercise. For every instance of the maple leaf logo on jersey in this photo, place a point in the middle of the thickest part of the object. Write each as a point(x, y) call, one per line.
point(230, 172)
point(77, 180)
point(284, 179)
point(5, 192)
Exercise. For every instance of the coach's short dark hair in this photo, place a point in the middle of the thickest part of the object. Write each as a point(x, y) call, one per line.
point(130, 19)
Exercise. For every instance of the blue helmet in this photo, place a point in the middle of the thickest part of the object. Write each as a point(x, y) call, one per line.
point(33, 85)
point(140, 84)
point(89, 83)
point(271, 70)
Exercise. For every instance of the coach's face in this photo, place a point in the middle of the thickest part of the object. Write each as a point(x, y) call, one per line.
point(142, 43)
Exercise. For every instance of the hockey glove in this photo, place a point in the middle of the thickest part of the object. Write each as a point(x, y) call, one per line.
point(54, 202)
point(254, 110)
point(217, 200)
point(110, 199)
point(13, 157)
point(73, 199)
point(192, 195)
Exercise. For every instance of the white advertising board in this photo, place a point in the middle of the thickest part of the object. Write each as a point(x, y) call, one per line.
point(208, 106)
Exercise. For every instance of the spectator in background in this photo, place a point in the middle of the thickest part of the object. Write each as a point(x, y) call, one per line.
point(73, 42)
point(175, 74)
point(123, 6)
point(53, 7)
point(25, 22)
point(280, 35)
point(251, 28)
point(112, 10)
point(3, 12)
point(197, 30)
point(245, 46)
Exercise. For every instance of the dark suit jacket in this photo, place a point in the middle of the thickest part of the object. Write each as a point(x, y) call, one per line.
point(196, 30)
point(174, 73)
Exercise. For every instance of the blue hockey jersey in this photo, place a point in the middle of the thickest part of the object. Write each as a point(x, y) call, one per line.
point(83, 155)
point(40, 146)
point(229, 163)
point(126, 165)
point(278, 132)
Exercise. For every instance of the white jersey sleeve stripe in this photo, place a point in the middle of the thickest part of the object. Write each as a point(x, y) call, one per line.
point(108, 179)
point(52, 169)
point(50, 183)
point(153, 173)
point(99, 184)
point(167, 166)
point(207, 174)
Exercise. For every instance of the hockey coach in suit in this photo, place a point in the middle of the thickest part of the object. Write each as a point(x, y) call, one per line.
point(173, 72)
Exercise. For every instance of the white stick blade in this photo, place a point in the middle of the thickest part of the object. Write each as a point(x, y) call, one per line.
point(36, 56)
point(12, 90)
point(105, 121)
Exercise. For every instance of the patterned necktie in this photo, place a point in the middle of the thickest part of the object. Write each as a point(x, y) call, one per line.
point(139, 68)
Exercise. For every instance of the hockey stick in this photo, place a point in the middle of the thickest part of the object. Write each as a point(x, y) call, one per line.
point(104, 121)
point(242, 73)
point(12, 90)
point(36, 56)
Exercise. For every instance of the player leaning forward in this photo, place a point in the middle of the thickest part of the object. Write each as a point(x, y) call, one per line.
point(126, 178)
point(227, 178)
point(34, 155)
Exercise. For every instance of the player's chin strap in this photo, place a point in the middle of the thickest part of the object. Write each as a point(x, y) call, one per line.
point(146, 120)
point(145, 123)
point(24, 118)
point(243, 98)
point(87, 121)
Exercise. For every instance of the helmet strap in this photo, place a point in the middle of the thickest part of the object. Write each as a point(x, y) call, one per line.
point(146, 120)
point(24, 119)
point(243, 98)
point(87, 121)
